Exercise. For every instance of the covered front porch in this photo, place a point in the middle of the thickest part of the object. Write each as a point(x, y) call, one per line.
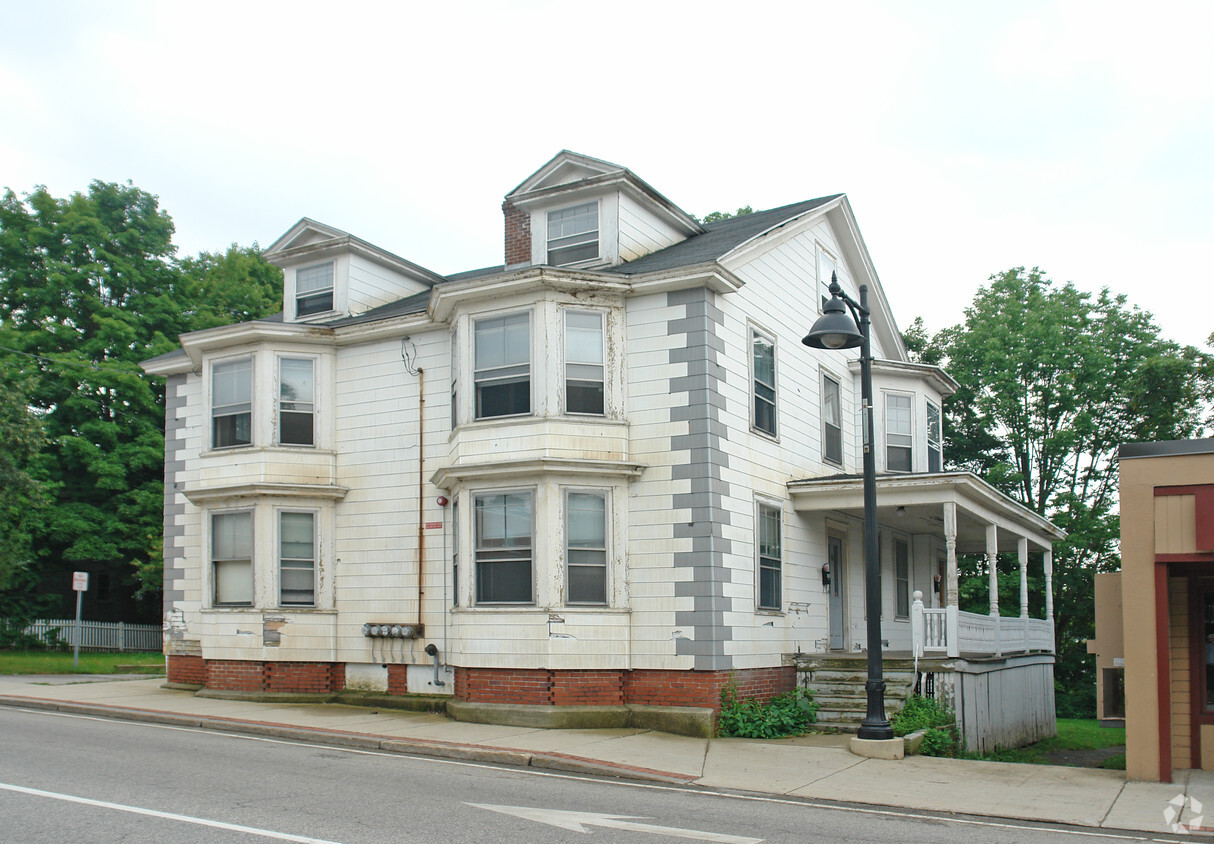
point(925, 521)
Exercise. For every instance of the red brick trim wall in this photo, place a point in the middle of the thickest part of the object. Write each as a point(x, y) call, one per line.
point(518, 235)
point(191, 670)
point(534, 686)
point(237, 675)
point(612, 688)
point(398, 679)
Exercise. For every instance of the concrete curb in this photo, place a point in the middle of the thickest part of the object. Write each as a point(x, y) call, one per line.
point(362, 741)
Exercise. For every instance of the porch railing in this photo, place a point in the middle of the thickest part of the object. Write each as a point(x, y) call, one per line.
point(949, 631)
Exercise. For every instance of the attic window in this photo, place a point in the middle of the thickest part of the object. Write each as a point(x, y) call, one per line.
point(314, 290)
point(573, 234)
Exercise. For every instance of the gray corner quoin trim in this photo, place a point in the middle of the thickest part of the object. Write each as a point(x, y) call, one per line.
point(705, 460)
point(174, 501)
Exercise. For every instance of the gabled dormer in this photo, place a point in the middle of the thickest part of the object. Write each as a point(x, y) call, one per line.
point(579, 211)
point(329, 273)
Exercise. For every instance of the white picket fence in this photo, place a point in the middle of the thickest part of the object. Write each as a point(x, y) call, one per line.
point(97, 635)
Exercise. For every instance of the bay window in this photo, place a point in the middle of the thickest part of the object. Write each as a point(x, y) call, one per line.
point(898, 440)
point(502, 365)
point(296, 401)
point(503, 547)
point(584, 362)
point(297, 558)
point(232, 403)
point(586, 547)
point(232, 558)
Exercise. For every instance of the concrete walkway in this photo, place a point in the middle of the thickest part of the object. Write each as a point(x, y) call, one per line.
point(818, 767)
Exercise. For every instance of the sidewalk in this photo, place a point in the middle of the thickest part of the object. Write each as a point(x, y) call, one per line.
point(817, 767)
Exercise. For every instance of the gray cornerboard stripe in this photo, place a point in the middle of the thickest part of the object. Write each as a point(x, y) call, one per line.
point(174, 506)
point(703, 377)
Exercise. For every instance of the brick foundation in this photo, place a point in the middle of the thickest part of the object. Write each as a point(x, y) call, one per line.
point(548, 687)
point(191, 670)
point(254, 676)
point(532, 686)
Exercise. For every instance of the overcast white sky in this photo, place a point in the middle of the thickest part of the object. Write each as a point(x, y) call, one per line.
point(970, 137)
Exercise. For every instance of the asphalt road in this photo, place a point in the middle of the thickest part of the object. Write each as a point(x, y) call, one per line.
point(66, 778)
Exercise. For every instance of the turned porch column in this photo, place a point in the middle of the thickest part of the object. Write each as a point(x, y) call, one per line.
point(1022, 551)
point(992, 560)
point(951, 596)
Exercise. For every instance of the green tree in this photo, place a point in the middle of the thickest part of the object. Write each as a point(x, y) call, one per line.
point(714, 216)
point(21, 439)
point(89, 286)
point(1053, 380)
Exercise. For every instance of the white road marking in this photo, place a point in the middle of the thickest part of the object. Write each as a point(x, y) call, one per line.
point(135, 810)
point(578, 821)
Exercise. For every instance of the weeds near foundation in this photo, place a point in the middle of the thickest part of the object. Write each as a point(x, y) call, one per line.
point(938, 722)
point(789, 714)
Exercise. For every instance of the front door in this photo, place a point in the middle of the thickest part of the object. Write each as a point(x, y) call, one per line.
point(834, 558)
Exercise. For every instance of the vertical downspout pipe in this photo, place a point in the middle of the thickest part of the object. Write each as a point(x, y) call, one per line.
point(421, 485)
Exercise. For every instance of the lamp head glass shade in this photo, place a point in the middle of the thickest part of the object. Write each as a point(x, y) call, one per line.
point(835, 329)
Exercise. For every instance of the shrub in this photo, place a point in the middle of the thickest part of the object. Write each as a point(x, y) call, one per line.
point(789, 714)
point(938, 722)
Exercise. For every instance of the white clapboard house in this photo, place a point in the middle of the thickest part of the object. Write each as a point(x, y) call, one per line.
point(606, 473)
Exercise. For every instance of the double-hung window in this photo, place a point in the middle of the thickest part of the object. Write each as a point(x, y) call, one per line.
point(503, 548)
point(901, 579)
point(763, 382)
point(934, 437)
point(898, 442)
point(232, 403)
point(832, 422)
point(232, 558)
point(771, 555)
point(584, 362)
point(826, 269)
point(314, 289)
point(296, 401)
point(297, 558)
point(586, 547)
point(573, 234)
point(502, 363)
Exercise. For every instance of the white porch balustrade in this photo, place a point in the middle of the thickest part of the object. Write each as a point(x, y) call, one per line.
point(949, 631)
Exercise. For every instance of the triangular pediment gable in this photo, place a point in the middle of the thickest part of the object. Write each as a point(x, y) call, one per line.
point(837, 211)
point(304, 233)
point(565, 168)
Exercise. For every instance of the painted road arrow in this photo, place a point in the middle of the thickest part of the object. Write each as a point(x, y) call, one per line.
point(578, 821)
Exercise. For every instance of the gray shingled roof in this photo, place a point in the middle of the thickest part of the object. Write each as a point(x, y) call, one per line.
point(721, 237)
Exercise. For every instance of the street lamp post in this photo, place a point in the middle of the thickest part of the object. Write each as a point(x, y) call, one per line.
point(835, 329)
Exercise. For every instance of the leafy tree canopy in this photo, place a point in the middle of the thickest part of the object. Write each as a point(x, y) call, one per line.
point(90, 286)
point(1053, 380)
point(714, 216)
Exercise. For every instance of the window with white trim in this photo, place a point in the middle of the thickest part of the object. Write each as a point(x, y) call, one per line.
point(771, 556)
point(934, 438)
point(584, 362)
point(232, 403)
point(296, 401)
point(503, 539)
point(232, 558)
point(826, 269)
point(573, 234)
point(297, 558)
point(502, 365)
point(314, 289)
point(832, 421)
point(586, 547)
point(763, 382)
point(901, 579)
point(898, 432)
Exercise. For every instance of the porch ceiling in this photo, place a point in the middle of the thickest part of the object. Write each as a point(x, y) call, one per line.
point(915, 504)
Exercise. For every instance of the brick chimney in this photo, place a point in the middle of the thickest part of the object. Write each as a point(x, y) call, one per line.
point(518, 235)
